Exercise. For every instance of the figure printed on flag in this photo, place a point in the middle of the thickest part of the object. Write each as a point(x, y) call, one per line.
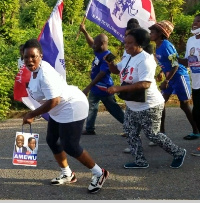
point(122, 5)
point(113, 16)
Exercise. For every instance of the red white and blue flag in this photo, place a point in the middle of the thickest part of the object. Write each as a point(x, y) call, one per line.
point(113, 15)
point(51, 40)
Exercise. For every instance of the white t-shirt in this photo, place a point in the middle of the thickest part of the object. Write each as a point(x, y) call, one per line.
point(50, 84)
point(193, 55)
point(141, 68)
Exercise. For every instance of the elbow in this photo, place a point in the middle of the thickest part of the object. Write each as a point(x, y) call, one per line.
point(146, 85)
point(55, 102)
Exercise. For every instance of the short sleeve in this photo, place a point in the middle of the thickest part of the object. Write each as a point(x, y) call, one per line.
point(51, 84)
point(146, 69)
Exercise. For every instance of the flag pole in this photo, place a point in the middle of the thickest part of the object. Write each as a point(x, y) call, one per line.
point(84, 18)
point(83, 21)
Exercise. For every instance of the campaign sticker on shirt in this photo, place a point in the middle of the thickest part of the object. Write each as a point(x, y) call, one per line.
point(96, 61)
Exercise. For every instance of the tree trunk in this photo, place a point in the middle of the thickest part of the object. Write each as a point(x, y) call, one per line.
point(2, 19)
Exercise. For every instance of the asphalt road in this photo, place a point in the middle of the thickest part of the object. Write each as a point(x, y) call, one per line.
point(158, 182)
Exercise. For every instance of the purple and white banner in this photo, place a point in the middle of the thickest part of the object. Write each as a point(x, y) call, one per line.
point(114, 15)
point(51, 39)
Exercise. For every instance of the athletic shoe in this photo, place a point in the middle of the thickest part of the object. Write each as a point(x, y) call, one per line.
point(196, 152)
point(85, 132)
point(63, 179)
point(134, 165)
point(177, 162)
point(97, 182)
point(127, 150)
point(124, 135)
point(152, 144)
point(191, 136)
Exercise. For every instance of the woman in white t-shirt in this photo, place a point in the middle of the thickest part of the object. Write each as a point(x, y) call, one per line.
point(138, 69)
point(192, 60)
point(68, 107)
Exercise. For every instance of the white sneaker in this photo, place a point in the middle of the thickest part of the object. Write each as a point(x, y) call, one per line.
point(152, 144)
point(127, 150)
point(97, 182)
point(62, 179)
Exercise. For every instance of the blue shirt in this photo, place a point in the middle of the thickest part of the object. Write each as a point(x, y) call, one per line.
point(99, 64)
point(162, 53)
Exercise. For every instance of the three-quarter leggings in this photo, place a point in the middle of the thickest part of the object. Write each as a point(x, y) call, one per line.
point(65, 136)
point(149, 121)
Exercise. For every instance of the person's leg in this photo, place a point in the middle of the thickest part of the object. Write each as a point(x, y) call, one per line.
point(183, 91)
point(133, 127)
point(196, 115)
point(93, 110)
point(185, 106)
point(162, 125)
point(113, 108)
point(67, 176)
point(54, 144)
point(61, 159)
point(70, 134)
point(196, 106)
point(150, 124)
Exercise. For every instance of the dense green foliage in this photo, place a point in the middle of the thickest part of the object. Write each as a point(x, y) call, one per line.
point(21, 20)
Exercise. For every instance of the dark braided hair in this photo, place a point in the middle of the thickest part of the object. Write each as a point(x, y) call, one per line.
point(33, 43)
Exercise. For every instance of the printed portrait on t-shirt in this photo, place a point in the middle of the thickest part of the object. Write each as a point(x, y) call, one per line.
point(192, 58)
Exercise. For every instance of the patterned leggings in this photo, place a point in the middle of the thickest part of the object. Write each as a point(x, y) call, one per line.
point(149, 121)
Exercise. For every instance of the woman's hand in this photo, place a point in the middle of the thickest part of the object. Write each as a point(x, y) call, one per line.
point(28, 118)
point(113, 89)
point(159, 77)
point(164, 85)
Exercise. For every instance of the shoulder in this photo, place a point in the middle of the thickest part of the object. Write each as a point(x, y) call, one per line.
point(193, 38)
point(145, 55)
point(46, 67)
point(167, 43)
point(147, 58)
point(102, 54)
point(45, 64)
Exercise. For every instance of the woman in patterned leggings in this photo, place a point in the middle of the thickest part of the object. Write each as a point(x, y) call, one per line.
point(138, 69)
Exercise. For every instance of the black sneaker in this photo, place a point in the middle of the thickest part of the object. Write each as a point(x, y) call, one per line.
point(134, 165)
point(191, 136)
point(85, 132)
point(97, 182)
point(63, 179)
point(177, 162)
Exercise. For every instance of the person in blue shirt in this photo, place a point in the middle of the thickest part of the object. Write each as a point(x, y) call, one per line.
point(100, 81)
point(177, 80)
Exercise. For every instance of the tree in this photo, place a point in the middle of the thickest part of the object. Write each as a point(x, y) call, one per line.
point(9, 15)
point(165, 10)
point(72, 10)
point(34, 14)
point(86, 3)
